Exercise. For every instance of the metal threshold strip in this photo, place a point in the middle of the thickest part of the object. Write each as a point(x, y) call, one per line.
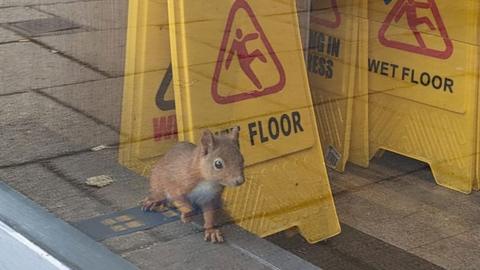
point(47, 240)
point(15, 246)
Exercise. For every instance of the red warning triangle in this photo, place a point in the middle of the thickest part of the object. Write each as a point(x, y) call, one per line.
point(245, 55)
point(332, 20)
point(407, 9)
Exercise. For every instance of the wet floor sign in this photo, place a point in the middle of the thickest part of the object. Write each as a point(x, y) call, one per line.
point(148, 114)
point(423, 81)
point(240, 63)
point(359, 150)
point(331, 65)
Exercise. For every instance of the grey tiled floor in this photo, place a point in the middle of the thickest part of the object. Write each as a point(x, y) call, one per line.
point(61, 94)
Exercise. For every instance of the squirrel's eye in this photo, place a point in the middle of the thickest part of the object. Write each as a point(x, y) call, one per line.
point(218, 164)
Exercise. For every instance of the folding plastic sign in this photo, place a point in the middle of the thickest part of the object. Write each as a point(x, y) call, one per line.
point(149, 125)
point(240, 63)
point(423, 85)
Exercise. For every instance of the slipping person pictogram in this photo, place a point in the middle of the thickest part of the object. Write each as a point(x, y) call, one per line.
point(410, 9)
point(239, 48)
point(248, 47)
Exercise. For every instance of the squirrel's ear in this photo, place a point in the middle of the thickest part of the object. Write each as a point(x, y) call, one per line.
point(207, 142)
point(234, 133)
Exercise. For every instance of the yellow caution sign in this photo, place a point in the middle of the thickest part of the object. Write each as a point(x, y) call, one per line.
point(423, 84)
point(148, 113)
point(332, 56)
point(359, 150)
point(240, 63)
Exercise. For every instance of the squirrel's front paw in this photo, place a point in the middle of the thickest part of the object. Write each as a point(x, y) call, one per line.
point(148, 204)
point(186, 217)
point(213, 235)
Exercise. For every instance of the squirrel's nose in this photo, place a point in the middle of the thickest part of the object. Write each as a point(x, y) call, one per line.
point(240, 180)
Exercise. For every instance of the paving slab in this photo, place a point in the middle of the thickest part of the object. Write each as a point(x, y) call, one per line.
point(130, 242)
point(386, 168)
point(240, 251)
point(52, 192)
point(18, 14)
point(128, 188)
point(414, 183)
point(460, 252)
point(124, 195)
point(8, 36)
point(34, 127)
point(144, 239)
point(388, 214)
point(353, 250)
point(420, 187)
point(342, 182)
point(394, 166)
point(359, 211)
point(466, 208)
point(403, 206)
point(13, 3)
point(100, 99)
point(49, 26)
point(191, 252)
point(106, 50)
point(28, 66)
point(107, 14)
point(423, 227)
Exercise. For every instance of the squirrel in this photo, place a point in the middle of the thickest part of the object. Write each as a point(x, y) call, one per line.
point(195, 175)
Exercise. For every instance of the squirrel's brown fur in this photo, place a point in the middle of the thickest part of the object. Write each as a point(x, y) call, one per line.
point(196, 174)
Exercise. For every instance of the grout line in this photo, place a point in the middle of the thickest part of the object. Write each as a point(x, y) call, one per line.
point(60, 53)
point(86, 28)
point(253, 256)
point(389, 178)
point(71, 58)
point(46, 4)
point(438, 240)
point(71, 84)
point(36, 7)
point(346, 247)
point(8, 42)
point(51, 158)
point(57, 86)
point(46, 159)
point(61, 3)
point(336, 252)
point(13, 93)
point(96, 120)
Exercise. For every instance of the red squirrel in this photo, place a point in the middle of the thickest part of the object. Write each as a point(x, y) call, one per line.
point(190, 174)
